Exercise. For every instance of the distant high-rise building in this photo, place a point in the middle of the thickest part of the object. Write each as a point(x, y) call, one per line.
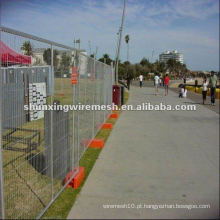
point(164, 57)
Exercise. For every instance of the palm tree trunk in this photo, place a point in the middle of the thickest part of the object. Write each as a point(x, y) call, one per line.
point(127, 51)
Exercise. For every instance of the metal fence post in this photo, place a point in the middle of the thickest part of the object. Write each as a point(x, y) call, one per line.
point(112, 79)
point(76, 114)
point(1, 162)
point(73, 118)
point(93, 101)
point(51, 128)
point(78, 98)
point(105, 93)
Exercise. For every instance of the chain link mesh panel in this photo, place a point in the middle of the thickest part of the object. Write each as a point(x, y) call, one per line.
point(39, 148)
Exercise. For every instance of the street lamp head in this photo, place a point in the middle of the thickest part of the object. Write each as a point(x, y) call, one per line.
point(127, 38)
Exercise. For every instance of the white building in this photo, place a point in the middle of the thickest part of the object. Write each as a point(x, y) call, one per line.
point(38, 59)
point(38, 55)
point(164, 57)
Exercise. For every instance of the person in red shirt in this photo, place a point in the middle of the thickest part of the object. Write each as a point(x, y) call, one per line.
point(166, 84)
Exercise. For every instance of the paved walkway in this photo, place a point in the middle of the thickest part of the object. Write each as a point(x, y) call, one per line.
point(196, 98)
point(152, 157)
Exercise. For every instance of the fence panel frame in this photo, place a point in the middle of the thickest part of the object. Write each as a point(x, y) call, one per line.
point(103, 89)
point(1, 161)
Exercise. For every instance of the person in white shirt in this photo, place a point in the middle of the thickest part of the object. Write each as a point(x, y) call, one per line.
point(184, 92)
point(141, 80)
point(156, 81)
point(204, 90)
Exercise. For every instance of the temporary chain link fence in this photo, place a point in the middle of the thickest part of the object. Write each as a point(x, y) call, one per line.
point(39, 148)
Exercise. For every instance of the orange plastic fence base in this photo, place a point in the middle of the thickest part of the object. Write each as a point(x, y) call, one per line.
point(97, 143)
point(77, 180)
point(68, 177)
point(107, 126)
point(114, 115)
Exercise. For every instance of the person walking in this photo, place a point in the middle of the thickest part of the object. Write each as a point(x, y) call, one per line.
point(204, 90)
point(160, 81)
point(166, 84)
point(141, 80)
point(213, 83)
point(156, 81)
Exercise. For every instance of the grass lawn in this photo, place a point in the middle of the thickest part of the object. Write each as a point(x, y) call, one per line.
point(27, 181)
point(62, 205)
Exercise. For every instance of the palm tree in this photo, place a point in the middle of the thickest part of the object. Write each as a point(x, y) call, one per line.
point(176, 67)
point(106, 59)
point(145, 62)
point(47, 58)
point(27, 48)
point(127, 38)
point(162, 67)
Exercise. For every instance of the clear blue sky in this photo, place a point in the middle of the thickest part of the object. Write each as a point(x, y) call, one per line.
point(190, 26)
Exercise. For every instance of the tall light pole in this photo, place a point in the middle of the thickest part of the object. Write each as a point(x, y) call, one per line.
point(119, 43)
point(127, 42)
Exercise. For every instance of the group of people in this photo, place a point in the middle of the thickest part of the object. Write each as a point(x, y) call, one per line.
point(158, 80)
point(205, 86)
point(183, 91)
point(212, 85)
